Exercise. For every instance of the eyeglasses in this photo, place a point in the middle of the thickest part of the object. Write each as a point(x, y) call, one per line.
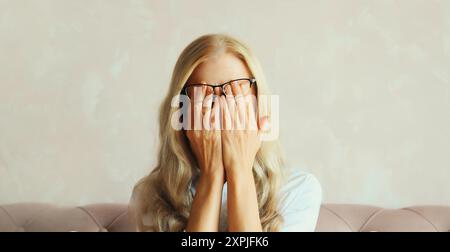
point(244, 84)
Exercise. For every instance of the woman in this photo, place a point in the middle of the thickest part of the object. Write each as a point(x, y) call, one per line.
point(215, 173)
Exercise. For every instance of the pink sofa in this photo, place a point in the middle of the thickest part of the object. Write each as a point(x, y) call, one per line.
point(107, 217)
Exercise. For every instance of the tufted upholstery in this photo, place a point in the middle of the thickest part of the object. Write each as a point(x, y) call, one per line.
point(32, 217)
point(363, 218)
point(107, 217)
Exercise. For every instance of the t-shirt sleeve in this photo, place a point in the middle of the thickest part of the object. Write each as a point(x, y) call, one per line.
point(300, 203)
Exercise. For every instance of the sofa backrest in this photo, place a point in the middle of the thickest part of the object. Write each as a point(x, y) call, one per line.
point(108, 217)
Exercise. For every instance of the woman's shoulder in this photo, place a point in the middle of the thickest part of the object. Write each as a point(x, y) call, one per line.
point(300, 188)
point(300, 201)
point(298, 179)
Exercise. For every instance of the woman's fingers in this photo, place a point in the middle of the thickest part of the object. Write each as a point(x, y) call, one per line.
point(197, 108)
point(236, 88)
point(226, 116)
point(228, 90)
point(215, 114)
point(231, 103)
point(207, 100)
point(251, 114)
point(213, 111)
point(263, 123)
point(207, 107)
point(240, 104)
point(263, 127)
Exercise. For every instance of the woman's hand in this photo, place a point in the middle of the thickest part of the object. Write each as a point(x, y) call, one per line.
point(204, 136)
point(240, 135)
point(240, 143)
point(206, 144)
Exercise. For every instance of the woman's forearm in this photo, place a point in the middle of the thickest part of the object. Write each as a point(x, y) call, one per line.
point(243, 211)
point(205, 210)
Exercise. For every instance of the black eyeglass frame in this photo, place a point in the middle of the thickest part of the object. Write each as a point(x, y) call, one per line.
point(251, 80)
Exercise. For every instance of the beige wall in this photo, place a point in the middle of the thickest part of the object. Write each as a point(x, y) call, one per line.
point(364, 89)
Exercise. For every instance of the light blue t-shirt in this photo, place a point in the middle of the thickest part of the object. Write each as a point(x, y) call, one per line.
point(300, 198)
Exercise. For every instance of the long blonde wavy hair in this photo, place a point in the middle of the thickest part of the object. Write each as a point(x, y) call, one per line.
point(161, 201)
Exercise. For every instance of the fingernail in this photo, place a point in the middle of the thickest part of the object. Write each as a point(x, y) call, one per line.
point(228, 90)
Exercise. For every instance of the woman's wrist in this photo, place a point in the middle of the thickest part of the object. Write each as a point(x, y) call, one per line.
point(243, 211)
point(213, 177)
point(205, 209)
point(240, 174)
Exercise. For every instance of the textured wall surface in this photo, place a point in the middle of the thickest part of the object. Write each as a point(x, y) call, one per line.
point(364, 90)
